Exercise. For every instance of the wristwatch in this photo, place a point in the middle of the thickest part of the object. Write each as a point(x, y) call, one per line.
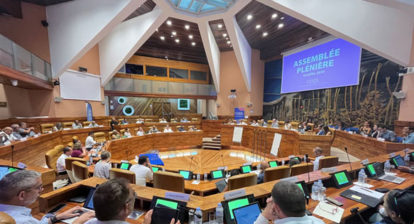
point(52, 218)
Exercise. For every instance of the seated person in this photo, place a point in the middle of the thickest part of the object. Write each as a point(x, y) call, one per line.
point(127, 134)
point(140, 121)
point(78, 151)
point(366, 129)
point(180, 128)
point(58, 127)
point(6, 136)
point(254, 123)
point(20, 189)
point(93, 124)
point(154, 129)
point(317, 151)
point(89, 142)
point(339, 125)
point(287, 204)
point(142, 170)
point(115, 135)
point(408, 135)
point(302, 127)
point(288, 125)
point(374, 132)
point(103, 166)
point(60, 163)
point(384, 134)
point(184, 119)
point(263, 166)
point(140, 132)
point(275, 123)
point(191, 128)
point(124, 121)
point(325, 131)
point(113, 123)
point(167, 129)
point(397, 208)
point(263, 123)
point(16, 134)
point(242, 122)
point(25, 131)
point(76, 125)
point(163, 120)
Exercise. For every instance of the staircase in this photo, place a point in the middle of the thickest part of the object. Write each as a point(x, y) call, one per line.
point(212, 143)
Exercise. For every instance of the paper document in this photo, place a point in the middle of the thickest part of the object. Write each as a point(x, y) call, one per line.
point(367, 192)
point(331, 212)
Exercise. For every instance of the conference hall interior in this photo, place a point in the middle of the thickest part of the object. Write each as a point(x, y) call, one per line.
point(206, 111)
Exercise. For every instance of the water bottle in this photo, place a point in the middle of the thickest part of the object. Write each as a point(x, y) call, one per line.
point(205, 177)
point(283, 162)
point(191, 216)
point(387, 166)
point(322, 193)
point(219, 214)
point(361, 176)
point(315, 191)
point(198, 177)
point(198, 217)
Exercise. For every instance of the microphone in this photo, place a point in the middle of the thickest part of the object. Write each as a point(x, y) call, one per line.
point(306, 158)
point(189, 210)
point(12, 153)
point(349, 161)
point(191, 162)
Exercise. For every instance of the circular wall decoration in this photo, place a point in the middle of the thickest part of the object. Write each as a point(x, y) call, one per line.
point(128, 110)
point(122, 100)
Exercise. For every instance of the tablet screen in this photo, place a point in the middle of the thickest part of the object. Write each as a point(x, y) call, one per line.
point(124, 166)
point(273, 163)
point(185, 174)
point(167, 203)
point(237, 204)
point(341, 178)
point(247, 214)
point(217, 174)
point(371, 169)
point(246, 169)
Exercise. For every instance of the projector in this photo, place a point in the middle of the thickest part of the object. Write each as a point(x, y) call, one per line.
point(399, 95)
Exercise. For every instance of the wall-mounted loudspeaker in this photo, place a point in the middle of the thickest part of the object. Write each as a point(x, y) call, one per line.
point(82, 69)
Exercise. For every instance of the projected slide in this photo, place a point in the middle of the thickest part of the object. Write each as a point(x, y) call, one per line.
point(332, 64)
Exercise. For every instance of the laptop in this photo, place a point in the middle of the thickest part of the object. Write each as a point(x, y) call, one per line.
point(4, 170)
point(232, 204)
point(87, 206)
point(376, 171)
point(247, 214)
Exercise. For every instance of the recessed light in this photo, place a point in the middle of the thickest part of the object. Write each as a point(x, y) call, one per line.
point(310, 39)
point(274, 15)
point(249, 17)
point(227, 38)
point(162, 37)
point(220, 25)
point(228, 42)
point(264, 34)
point(282, 18)
point(174, 33)
point(177, 40)
point(224, 34)
point(193, 43)
point(258, 26)
point(169, 23)
point(187, 27)
point(280, 26)
point(190, 36)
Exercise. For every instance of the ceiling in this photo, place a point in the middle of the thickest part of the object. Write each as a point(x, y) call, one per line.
point(200, 7)
point(169, 48)
point(220, 34)
point(46, 2)
point(144, 8)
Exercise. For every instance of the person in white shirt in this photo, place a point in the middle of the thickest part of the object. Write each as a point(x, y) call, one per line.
point(163, 120)
point(60, 164)
point(127, 134)
point(140, 121)
point(20, 189)
point(254, 123)
point(275, 123)
point(89, 142)
point(142, 170)
point(287, 205)
point(103, 166)
point(6, 136)
point(318, 155)
point(76, 125)
point(167, 129)
point(140, 132)
point(93, 124)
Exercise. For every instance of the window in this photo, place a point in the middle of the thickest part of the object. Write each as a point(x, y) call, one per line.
point(134, 69)
point(156, 71)
point(178, 73)
point(198, 75)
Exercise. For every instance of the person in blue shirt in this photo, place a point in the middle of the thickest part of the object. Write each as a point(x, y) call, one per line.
point(408, 135)
point(385, 134)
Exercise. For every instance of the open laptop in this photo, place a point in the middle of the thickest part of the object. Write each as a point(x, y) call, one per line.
point(376, 171)
point(87, 206)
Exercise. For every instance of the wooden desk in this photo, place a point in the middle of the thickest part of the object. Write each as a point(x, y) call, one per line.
point(364, 147)
point(160, 126)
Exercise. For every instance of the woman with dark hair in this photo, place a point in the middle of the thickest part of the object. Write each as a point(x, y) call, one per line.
point(398, 207)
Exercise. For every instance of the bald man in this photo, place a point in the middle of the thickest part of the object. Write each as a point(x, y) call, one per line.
point(263, 166)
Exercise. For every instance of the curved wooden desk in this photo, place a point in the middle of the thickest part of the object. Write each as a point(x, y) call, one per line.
point(160, 126)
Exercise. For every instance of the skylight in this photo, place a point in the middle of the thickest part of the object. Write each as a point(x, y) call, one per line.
point(201, 6)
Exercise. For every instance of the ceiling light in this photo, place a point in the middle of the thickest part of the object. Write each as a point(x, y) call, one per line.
point(193, 43)
point(169, 23)
point(228, 42)
point(156, 30)
point(227, 38)
point(162, 37)
point(177, 40)
point(264, 34)
point(282, 18)
point(310, 39)
point(190, 36)
point(258, 26)
point(220, 25)
point(249, 17)
point(224, 34)
point(174, 33)
point(187, 27)
point(274, 15)
point(280, 26)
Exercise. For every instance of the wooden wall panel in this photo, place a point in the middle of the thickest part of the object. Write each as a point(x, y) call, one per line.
point(308, 142)
point(211, 128)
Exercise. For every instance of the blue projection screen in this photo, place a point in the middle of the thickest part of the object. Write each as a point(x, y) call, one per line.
point(333, 64)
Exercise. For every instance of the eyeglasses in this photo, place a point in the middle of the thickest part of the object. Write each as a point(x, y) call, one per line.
point(332, 211)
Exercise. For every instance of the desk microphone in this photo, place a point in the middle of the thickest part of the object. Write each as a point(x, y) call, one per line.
point(306, 162)
point(189, 210)
point(349, 161)
point(191, 162)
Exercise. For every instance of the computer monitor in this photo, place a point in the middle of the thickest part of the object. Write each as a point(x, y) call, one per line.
point(188, 175)
point(155, 169)
point(412, 156)
point(247, 214)
point(304, 188)
point(370, 170)
point(273, 164)
point(217, 174)
point(341, 179)
point(125, 166)
point(4, 170)
point(246, 169)
point(179, 206)
point(230, 205)
point(89, 200)
point(397, 161)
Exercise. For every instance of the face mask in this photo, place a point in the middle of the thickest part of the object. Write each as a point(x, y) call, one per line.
point(383, 212)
